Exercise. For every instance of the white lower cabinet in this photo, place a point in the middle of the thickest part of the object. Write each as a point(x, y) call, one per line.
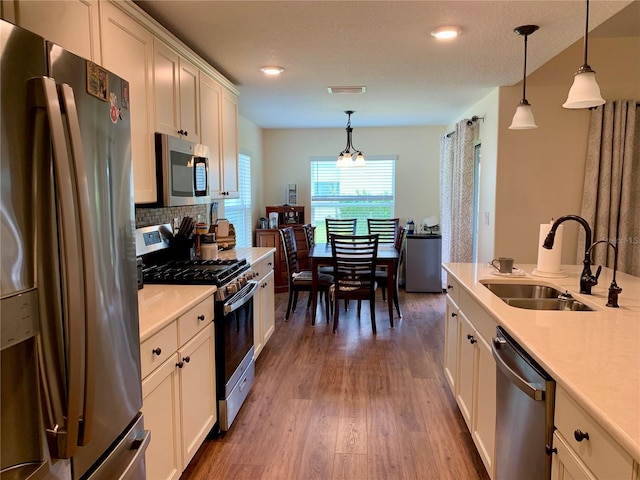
point(565, 464)
point(179, 395)
point(583, 449)
point(161, 409)
point(470, 369)
point(264, 304)
point(451, 344)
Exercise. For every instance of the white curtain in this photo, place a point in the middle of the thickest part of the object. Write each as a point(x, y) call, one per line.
point(456, 192)
point(611, 194)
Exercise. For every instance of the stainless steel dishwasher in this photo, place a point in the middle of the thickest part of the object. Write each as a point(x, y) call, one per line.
point(525, 396)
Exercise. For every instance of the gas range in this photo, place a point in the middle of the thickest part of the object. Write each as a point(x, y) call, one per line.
point(161, 267)
point(195, 272)
point(228, 275)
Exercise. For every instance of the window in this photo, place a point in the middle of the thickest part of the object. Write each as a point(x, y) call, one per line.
point(238, 210)
point(352, 192)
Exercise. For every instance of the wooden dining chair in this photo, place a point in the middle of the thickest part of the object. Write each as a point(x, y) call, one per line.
point(301, 280)
point(340, 226)
point(381, 275)
point(354, 261)
point(309, 234)
point(386, 228)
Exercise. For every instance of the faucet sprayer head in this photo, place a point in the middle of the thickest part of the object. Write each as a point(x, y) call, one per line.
point(548, 242)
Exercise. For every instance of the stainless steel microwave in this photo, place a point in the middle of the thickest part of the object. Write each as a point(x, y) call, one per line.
point(182, 168)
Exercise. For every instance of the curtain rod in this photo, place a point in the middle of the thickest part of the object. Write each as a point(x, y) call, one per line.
point(475, 118)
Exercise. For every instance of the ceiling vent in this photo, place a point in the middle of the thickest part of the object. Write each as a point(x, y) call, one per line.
point(349, 90)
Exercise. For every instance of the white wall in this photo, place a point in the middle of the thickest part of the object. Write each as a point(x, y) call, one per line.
point(287, 153)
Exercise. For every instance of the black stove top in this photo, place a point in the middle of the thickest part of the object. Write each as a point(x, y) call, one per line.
point(195, 272)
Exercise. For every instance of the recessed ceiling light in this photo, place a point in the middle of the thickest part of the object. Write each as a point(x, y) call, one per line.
point(347, 90)
point(272, 70)
point(444, 33)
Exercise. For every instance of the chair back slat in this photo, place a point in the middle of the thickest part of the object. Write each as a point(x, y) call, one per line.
point(289, 246)
point(354, 259)
point(309, 235)
point(340, 226)
point(386, 228)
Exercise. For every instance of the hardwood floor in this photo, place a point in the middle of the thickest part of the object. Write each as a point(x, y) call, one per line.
point(348, 405)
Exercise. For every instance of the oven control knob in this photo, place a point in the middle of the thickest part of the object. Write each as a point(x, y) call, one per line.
point(232, 288)
point(242, 281)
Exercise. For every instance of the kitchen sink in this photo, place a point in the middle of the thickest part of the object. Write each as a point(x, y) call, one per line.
point(535, 297)
point(547, 304)
point(516, 290)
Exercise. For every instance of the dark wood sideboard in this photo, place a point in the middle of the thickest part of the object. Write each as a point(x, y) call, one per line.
point(271, 238)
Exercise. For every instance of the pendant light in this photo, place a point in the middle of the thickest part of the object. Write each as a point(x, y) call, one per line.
point(585, 92)
point(350, 156)
point(523, 118)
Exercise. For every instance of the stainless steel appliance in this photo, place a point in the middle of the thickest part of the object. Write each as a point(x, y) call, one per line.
point(233, 310)
point(525, 396)
point(71, 392)
point(422, 265)
point(182, 171)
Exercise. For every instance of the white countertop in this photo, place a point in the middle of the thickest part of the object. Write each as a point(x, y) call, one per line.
point(159, 305)
point(595, 356)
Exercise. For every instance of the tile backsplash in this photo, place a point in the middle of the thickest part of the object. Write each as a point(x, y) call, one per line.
point(157, 216)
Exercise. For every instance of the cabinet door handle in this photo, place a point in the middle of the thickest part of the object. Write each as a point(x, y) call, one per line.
point(180, 364)
point(550, 450)
point(156, 351)
point(580, 435)
point(454, 314)
point(201, 317)
point(449, 287)
point(471, 338)
point(187, 359)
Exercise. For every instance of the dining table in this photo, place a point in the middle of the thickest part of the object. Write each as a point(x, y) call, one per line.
point(320, 254)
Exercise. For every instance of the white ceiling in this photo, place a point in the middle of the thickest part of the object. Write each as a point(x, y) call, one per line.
point(410, 77)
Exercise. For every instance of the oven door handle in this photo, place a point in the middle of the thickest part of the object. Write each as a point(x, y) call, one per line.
point(245, 294)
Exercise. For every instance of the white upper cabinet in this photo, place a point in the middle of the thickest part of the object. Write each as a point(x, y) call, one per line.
point(72, 24)
point(127, 50)
point(210, 102)
point(177, 87)
point(229, 136)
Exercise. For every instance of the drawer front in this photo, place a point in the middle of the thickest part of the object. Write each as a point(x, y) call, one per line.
point(600, 453)
point(158, 348)
point(478, 316)
point(263, 267)
point(453, 288)
point(195, 320)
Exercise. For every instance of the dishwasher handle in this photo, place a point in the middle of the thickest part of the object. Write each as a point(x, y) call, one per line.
point(533, 390)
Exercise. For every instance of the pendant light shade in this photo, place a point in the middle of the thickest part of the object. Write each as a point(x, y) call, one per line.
point(585, 92)
point(350, 156)
point(523, 118)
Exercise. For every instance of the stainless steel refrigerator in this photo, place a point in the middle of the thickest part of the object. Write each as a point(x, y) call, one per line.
point(71, 391)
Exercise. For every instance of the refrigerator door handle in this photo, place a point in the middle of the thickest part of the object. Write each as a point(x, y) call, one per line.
point(63, 435)
point(88, 258)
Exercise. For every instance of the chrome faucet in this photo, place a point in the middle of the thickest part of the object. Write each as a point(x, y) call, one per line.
point(587, 279)
point(614, 289)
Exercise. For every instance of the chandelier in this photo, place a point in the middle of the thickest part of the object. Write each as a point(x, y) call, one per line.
point(350, 156)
